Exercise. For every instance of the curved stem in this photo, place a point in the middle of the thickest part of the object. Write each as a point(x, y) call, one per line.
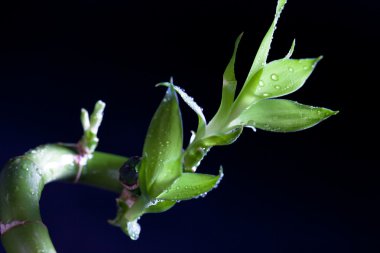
point(22, 181)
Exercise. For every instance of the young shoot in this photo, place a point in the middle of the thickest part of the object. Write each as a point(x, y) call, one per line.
point(165, 173)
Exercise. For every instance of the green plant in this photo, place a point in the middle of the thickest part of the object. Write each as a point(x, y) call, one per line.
point(165, 173)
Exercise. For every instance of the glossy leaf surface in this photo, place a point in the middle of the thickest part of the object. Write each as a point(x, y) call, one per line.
point(280, 115)
point(220, 139)
point(191, 185)
point(161, 161)
point(276, 79)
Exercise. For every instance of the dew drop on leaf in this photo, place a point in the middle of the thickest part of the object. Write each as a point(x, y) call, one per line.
point(203, 194)
point(290, 69)
point(274, 77)
point(277, 87)
point(261, 83)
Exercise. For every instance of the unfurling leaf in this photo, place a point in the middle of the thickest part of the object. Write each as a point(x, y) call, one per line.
point(161, 160)
point(280, 115)
point(229, 88)
point(191, 185)
point(262, 53)
point(291, 50)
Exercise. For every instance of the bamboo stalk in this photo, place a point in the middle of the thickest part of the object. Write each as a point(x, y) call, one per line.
point(23, 179)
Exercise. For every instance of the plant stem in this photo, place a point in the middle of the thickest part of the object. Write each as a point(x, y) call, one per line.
point(22, 181)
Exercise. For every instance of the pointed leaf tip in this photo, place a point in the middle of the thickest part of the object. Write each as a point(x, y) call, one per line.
point(191, 185)
point(228, 90)
point(263, 52)
point(259, 62)
point(229, 73)
point(291, 50)
point(161, 164)
point(280, 115)
point(280, 6)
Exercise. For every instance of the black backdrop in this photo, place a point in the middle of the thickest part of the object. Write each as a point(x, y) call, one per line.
point(311, 191)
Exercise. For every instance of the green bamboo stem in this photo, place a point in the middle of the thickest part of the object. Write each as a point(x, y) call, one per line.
point(22, 181)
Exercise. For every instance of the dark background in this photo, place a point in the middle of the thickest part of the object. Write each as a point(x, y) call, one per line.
point(310, 191)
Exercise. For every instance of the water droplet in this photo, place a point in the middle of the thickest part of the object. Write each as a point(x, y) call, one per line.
point(306, 67)
point(133, 229)
point(251, 127)
point(274, 77)
point(261, 83)
point(203, 194)
point(277, 87)
point(290, 69)
point(266, 94)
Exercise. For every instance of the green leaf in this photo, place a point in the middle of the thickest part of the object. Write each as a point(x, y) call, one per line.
point(161, 160)
point(229, 88)
point(198, 149)
point(282, 77)
point(192, 104)
point(229, 73)
point(276, 79)
point(262, 53)
point(160, 206)
point(221, 139)
point(280, 115)
point(291, 50)
point(191, 185)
